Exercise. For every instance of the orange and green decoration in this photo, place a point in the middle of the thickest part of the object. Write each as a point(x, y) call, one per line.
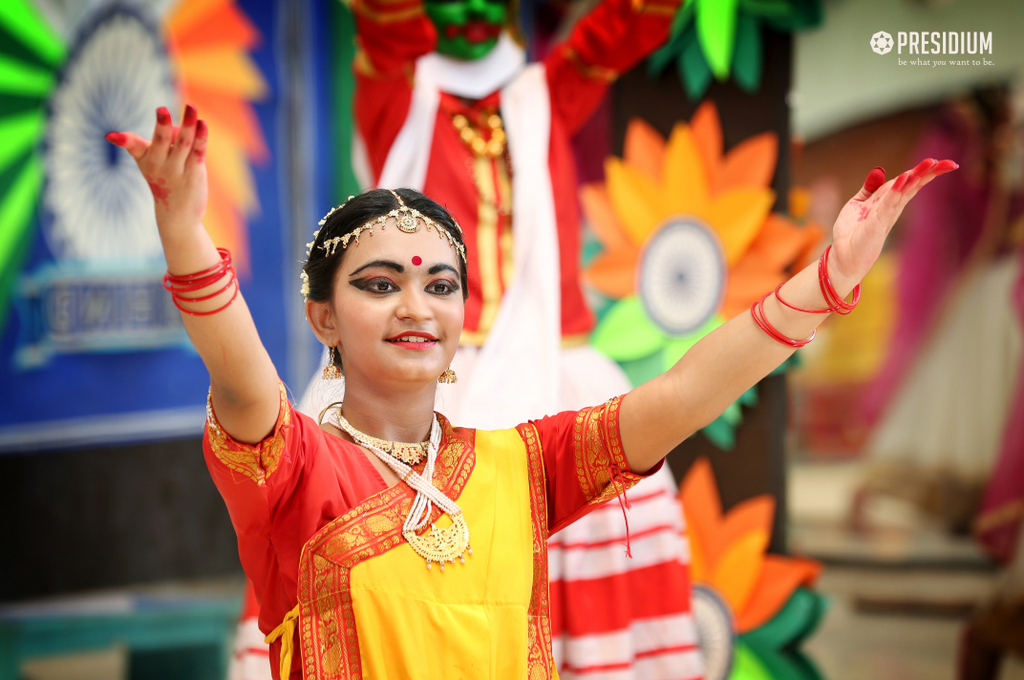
point(753, 609)
point(688, 240)
point(207, 43)
point(719, 39)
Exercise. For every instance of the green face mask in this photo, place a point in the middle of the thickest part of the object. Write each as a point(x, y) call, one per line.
point(467, 29)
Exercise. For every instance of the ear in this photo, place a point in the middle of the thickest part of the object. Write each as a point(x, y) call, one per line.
point(321, 319)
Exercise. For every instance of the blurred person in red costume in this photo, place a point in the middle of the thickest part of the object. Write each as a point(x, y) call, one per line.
point(500, 158)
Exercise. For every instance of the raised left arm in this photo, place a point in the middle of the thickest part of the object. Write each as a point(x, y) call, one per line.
point(658, 415)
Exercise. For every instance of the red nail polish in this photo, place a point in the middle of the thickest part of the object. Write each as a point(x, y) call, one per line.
point(116, 138)
point(201, 128)
point(875, 179)
point(190, 115)
point(900, 182)
point(163, 116)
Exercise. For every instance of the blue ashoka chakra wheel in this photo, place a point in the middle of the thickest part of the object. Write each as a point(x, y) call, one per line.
point(715, 631)
point(682, 275)
point(96, 203)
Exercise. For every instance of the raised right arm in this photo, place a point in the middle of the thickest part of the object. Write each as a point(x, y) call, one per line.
point(243, 380)
point(391, 36)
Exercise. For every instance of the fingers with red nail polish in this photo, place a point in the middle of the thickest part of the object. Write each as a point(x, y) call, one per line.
point(199, 146)
point(129, 141)
point(942, 167)
point(184, 140)
point(163, 134)
point(900, 182)
point(875, 179)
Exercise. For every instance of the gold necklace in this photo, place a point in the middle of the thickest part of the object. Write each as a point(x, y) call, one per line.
point(410, 454)
point(474, 138)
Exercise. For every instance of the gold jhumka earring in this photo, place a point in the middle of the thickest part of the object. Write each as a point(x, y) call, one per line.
point(448, 377)
point(331, 371)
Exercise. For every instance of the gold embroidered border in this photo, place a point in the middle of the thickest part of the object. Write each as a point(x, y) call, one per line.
point(327, 626)
point(384, 16)
point(255, 461)
point(597, 447)
point(539, 659)
point(487, 247)
point(605, 75)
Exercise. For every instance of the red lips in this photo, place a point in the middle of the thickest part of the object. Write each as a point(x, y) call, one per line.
point(473, 31)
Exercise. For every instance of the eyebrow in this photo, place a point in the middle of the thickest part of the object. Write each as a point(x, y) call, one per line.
point(441, 268)
point(389, 264)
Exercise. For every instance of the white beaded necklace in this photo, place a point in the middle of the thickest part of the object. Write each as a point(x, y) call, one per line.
point(438, 545)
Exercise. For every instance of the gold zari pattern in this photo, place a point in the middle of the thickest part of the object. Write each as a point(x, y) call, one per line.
point(256, 461)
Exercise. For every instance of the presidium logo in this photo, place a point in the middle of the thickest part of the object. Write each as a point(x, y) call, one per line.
point(944, 43)
point(881, 42)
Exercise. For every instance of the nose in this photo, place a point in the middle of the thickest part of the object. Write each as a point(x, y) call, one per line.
point(414, 305)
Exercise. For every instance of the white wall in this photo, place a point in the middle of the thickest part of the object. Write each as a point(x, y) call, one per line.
point(839, 81)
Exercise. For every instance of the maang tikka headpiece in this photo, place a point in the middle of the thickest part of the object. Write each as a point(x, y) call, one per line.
point(408, 220)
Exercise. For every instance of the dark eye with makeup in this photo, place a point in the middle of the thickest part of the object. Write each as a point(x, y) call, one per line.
point(378, 284)
point(441, 287)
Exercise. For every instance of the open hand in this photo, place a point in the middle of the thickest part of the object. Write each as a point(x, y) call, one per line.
point(173, 165)
point(866, 219)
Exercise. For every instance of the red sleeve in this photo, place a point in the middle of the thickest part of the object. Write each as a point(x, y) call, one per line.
point(391, 36)
point(256, 481)
point(605, 43)
point(584, 462)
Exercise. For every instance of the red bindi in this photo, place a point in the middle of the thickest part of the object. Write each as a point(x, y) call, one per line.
point(417, 260)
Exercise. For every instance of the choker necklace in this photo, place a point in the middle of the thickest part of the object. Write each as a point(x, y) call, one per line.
point(438, 544)
point(410, 454)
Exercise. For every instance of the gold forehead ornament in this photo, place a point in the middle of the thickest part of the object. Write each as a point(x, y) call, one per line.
point(408, 221)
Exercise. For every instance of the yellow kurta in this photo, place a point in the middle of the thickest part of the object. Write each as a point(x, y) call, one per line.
point(370, 608)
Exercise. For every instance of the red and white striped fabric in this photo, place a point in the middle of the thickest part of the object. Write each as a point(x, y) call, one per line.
point(616, 618)
point(251, 660)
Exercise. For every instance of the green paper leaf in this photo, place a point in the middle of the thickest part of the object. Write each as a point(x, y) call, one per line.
point(747, 666)
point(642, 370)
point(797, 15)
point(662, 57)
point(683, 18)
point(733, 414)
point(797, 619)
point(720, 433)
point(787, 664)
point(749, 398)
point(747, 60)
point(716, 31)
point(626, 334)
point(693, 68)
point(675, 348)
point(673, 47)
point(794, 361)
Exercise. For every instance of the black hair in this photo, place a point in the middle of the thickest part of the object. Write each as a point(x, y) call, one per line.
point(321, 268)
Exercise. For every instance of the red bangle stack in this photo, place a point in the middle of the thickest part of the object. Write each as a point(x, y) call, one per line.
point(832, 298)
point(834, 301)
point(757, 311)
point(189, 283)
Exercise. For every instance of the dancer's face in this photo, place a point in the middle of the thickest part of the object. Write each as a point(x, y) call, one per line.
point(398, 306)
point(467, 29)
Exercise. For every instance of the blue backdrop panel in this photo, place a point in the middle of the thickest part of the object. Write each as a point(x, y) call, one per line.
point(92, 349)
